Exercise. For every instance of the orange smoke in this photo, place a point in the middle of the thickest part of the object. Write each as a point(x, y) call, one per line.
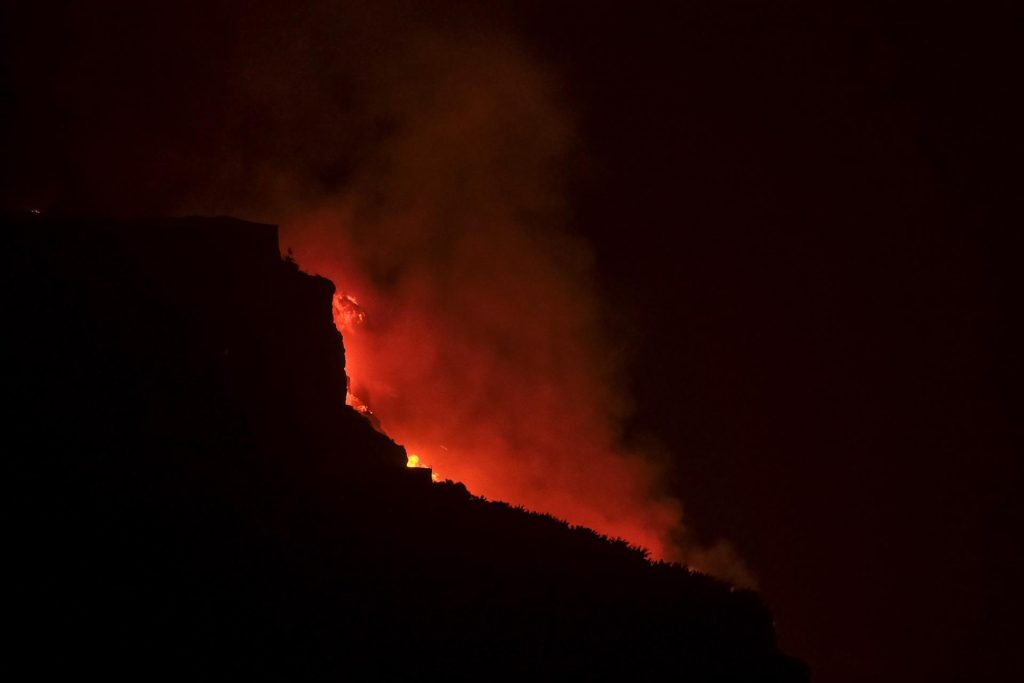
point(477, 340)
point(422, 161)
point(496, 381)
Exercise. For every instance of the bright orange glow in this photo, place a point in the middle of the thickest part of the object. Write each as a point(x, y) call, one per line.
point(475, 336)
point(348, 314)
point(530, 436)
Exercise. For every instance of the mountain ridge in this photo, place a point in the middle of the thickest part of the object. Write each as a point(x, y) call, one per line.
point(191, 494)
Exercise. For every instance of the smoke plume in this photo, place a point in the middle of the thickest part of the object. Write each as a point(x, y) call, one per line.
point(420, 161)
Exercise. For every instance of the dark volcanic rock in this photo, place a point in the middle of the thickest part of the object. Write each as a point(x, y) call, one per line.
point(190, 496)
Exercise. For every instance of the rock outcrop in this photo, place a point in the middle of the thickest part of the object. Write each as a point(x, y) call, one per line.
point(192, 497)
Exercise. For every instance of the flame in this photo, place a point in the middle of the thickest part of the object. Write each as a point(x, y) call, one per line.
point(419, 420)
point(357, 403)
point(485, 329)
point(348, 317)
point(348, 314)
point(415, 461)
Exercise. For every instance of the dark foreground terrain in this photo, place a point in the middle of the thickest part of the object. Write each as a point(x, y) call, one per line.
point(190, 496)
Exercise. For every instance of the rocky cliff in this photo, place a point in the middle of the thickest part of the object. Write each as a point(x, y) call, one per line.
point(190, 496)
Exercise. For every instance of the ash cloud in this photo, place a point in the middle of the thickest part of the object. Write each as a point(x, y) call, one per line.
point(418, 159)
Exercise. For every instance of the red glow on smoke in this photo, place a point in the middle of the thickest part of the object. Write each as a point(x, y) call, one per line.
point(491, 380)
point(424, 166)
point(480, 345)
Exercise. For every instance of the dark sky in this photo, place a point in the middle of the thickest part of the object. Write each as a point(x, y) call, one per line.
point(800, 219)
point(804, 211)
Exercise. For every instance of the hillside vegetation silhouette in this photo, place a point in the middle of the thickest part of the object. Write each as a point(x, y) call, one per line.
point(192, 497)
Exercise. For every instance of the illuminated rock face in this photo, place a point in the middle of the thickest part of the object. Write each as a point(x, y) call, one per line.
point(192, 495)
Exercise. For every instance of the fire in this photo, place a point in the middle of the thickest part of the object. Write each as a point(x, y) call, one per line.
point(348, 317)
point(393, 363)
point(416, 462)
point(357, 403)
point(490, 348)
point(485, 329)
point(348, 314)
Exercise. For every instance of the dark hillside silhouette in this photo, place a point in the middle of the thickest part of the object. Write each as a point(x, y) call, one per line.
point(190, 496)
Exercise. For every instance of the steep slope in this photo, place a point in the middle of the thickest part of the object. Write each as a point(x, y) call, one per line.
point(192, 496)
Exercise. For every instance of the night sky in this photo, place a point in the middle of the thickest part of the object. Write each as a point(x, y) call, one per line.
point(797, 220)
point(817, 256)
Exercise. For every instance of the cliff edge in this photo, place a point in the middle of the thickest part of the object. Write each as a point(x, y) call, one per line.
point(191, 496)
